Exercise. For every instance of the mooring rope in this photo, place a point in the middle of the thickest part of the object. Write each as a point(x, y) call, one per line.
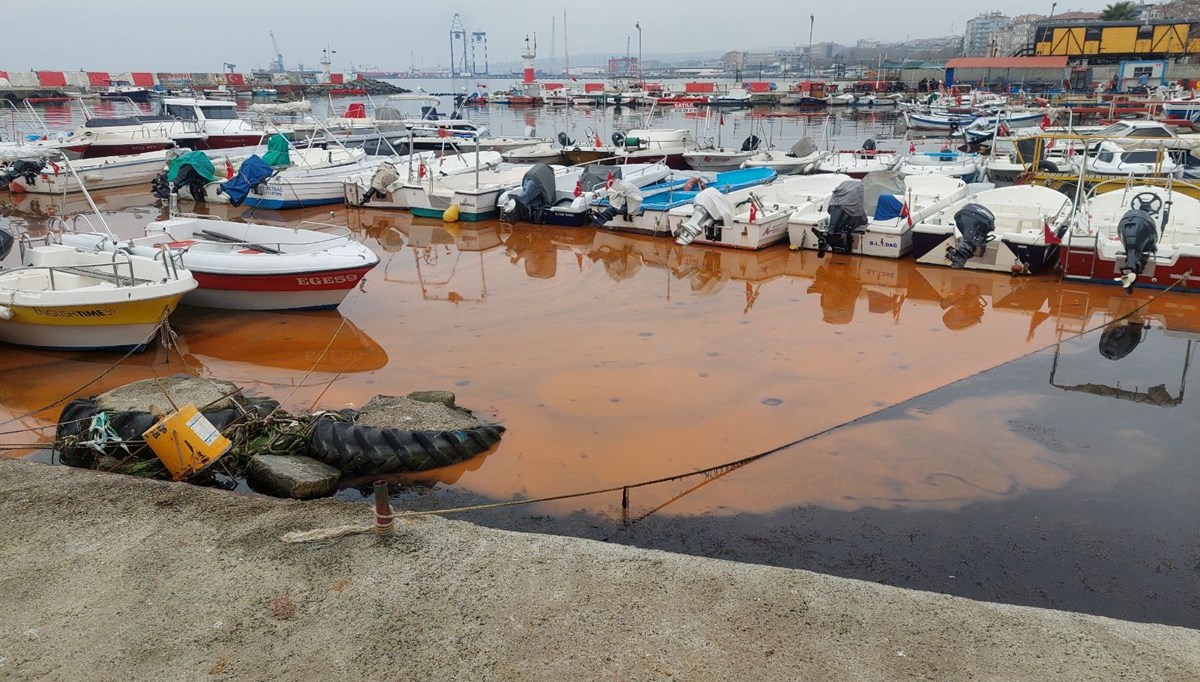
point(316, 535)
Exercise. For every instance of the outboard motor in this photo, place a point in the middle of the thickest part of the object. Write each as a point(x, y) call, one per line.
point(751, 143)
point(976, 225)
point(6, 244)
point(26, 170)
point(618, 139)
point(1139, 236)
point(869, 145)
point(708, 208)
point(383, 178)
point(624, 198)
point(193, 172)
point(1119, 339)
point(565, 141)
point(847, 213)
point(537, 193)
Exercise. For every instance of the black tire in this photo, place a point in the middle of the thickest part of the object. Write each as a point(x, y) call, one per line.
point(358, 449)
point(1047, 167)
point(76, 418)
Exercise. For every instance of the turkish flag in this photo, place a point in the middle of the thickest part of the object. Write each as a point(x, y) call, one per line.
point(904, 213)
point(1051, 238)
point(442, 132)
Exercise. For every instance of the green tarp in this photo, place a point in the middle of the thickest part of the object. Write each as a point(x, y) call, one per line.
point(277, 152)
point(197, 160)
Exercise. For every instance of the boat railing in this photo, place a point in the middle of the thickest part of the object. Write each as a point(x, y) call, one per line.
point(92, 270)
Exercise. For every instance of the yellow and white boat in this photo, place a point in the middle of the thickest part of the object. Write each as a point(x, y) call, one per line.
point(66, 299)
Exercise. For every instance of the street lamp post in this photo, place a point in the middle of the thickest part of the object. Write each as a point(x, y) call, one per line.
point(641, 81)
point(812, 19)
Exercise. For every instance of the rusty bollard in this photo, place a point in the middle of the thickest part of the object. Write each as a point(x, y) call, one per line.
point(384, 523)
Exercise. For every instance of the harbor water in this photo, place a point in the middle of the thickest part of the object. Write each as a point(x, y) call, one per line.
point(949, 430)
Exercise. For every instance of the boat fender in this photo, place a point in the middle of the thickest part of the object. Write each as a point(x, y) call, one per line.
point(6, 313)
point(451, 214)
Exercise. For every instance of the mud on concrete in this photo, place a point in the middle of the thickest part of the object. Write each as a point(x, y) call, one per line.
point(107, 577)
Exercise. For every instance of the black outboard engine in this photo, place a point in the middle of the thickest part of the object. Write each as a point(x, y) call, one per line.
point(186, 178)
point(1120, 338)
point(1139, 236)
point(26, 170)
point(618, 139)
point(6, 244)
point(537, 193)
point(976, 225)
point(565, 141)
point(751, 143)
point(869, 145)
point(847, 214)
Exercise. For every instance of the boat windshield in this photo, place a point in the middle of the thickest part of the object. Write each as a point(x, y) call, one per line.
point(219, 113)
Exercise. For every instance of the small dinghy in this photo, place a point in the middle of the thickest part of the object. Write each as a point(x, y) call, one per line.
point(803, 157)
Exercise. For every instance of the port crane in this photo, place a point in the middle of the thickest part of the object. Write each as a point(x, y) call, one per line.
point(277, 63)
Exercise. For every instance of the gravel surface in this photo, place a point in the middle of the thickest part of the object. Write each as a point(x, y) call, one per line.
point(105, 577)
point(391, 412)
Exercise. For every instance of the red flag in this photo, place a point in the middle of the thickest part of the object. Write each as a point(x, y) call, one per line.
point(753, 211)
point(1002, 131)
point(1045, 122)
point(598, 143)
point(442, 132)
point(421, 170)
point(912, 148)
point(578, 188)
point(54, 166)
point(228, 170)
point(1051, 238)
point(904, 213)
point(722, 121)
point(609, 182)
point(1050, 144)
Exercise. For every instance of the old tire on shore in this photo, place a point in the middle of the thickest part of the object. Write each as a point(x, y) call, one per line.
point(75, 422)
point(359, 449)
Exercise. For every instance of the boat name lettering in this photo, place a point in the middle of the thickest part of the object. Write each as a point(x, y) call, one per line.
point(95, 312)
point(329, 279)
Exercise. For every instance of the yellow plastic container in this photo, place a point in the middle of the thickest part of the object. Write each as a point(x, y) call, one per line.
point(186, 442)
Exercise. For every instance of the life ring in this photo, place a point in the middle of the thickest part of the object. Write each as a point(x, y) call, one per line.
point(693, 184)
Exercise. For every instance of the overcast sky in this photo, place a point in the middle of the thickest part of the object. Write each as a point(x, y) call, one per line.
point(158, 35)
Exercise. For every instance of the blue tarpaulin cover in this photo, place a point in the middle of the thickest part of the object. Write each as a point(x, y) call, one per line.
point(889, 206)
point(253, 171)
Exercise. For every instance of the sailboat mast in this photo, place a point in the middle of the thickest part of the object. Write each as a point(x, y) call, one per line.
point(566, 51)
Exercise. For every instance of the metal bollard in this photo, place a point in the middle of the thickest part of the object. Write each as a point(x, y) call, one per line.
point(384, 523)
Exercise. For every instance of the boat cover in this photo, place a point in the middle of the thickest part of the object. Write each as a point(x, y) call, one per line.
point(849, 195)
point(889, 206)
point(877, 185)
point(253, 172)
point(199, 162)
point(803, 148)
point(277, 152)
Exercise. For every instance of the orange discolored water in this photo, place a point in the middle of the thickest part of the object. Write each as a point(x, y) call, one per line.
point(614, 359)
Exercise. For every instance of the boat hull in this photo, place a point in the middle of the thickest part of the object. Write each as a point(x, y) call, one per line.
point(122, 325)
point(284, 291)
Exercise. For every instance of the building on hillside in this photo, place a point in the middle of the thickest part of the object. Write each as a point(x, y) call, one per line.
point(980, 36)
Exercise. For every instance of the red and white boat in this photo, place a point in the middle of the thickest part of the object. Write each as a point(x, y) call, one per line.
point(194, 123)
point(1106, 245)
point(250, 267)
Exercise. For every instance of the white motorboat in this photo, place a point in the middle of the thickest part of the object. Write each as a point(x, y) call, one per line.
point(713, 158)
point(648, 145)
point(1009, 229)
point(1115, 160)
point(383, 187)
point(648, 210)
point(63, 298)
point(1138, 235)
point(752, 218)
point(950, 163)
point(892, 204)
point(803, 157)
point(249, 267)
point(315, 178)
point(859, 162)
point(195, 123)
point(564, 196)
point(474, 194)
